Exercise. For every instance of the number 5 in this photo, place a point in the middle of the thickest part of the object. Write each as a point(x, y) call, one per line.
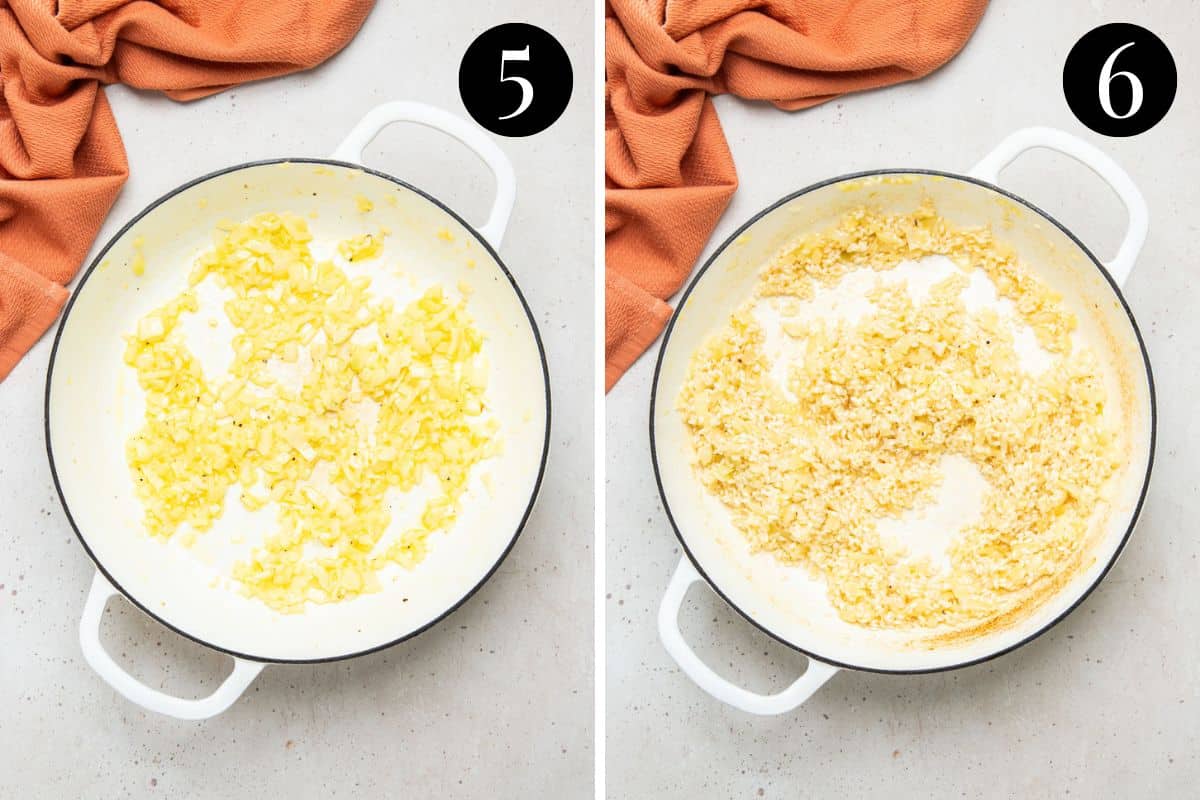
point(1107, 76)
point(526, 86)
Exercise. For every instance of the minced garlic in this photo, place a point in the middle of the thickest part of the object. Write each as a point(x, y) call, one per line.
point(875, 404)
point(393, 410)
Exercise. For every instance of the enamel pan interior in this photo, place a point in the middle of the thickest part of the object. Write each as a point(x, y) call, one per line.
point(784, 601)
point(93, 403)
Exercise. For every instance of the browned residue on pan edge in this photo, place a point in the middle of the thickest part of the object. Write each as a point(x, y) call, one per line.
point(1042, 592)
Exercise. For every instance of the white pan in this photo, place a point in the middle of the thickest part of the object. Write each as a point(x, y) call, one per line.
point(784, 601)
point(93, 404)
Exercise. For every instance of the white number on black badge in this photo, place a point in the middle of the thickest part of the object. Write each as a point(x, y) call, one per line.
point(1107, 76)
point(526, 86)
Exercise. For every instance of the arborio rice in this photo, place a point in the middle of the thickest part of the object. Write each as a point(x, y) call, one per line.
point(872, 407)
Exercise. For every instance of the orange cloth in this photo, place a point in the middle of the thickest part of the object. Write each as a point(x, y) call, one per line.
point(61, 158)
point(669, 173)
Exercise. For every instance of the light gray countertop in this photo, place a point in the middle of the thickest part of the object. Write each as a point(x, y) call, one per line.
point(1105, 705)
point(494, 702)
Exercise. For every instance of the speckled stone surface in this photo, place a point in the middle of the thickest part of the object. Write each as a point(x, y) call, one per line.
point(494, 702)
point(1106, 705)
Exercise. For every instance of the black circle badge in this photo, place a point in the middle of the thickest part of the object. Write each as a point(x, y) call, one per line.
point(1119, 79)
point(515, 79)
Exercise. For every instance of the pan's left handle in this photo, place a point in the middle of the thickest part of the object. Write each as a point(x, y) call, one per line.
point(792, 697)
point(1110, 172)
point(380, 117)
point(244, 672)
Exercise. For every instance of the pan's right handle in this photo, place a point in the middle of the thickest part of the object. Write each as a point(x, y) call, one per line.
point(1135, 205)
point(378, 118)
point(244, 672)
point(751, 702)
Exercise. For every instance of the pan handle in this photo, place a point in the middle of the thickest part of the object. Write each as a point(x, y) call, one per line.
point(244, 672)
point(751, 702)
point(378, 118)
point(1118, 179)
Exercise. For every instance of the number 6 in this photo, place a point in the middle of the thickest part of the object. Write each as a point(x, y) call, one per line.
point(526, 86)
point(1106, 78)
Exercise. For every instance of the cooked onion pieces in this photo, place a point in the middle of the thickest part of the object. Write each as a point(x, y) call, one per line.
point(334, 399)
